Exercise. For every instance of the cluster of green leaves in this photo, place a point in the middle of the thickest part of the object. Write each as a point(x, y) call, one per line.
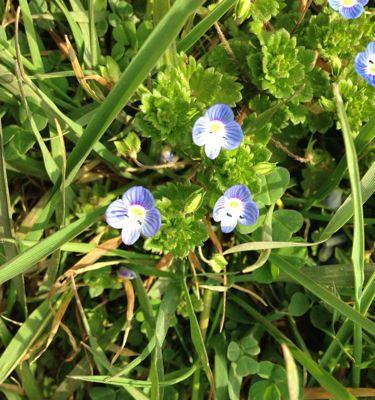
point(246, 165)
point(183, 209)
point(281, 67)
point(179, 96)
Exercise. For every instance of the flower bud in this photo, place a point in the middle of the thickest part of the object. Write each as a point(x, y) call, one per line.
point(242, 10)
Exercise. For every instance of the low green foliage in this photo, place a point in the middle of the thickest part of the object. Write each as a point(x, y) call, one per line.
point(97, 97)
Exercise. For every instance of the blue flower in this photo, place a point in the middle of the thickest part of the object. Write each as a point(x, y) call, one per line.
point(217, 129)
point(135, 214)
point(235, 207)
point(348, 8)
point(126, 273)
point(365, 64)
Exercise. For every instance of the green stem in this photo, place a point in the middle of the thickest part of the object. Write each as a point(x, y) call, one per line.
point(203, 324)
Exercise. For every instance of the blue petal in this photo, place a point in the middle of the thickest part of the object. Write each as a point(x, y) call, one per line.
point(250, 214)
point(238, 191)
point(228, 224)
point(335, 4)
point(233, 135)
point(351, 12)
point(360, 64)
point(139, 195)
point(363, 2)
point(219, 209)
point(116, 214)
point(152, 223)
point(200, 131)
point(370, 79)
point(212, 150)
point(220, 112)
point(130, 235)
point(370, 50)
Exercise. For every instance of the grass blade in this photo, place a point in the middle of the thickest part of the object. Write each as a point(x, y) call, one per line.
point(10, 249)
point(358, 248)
point(76, 31)
point(291, 372)
point(200, 29)
point(24, 339)
point(252, 246)
point(30, 257)
point(196, 336)
point(23, 370)
point(31, 36)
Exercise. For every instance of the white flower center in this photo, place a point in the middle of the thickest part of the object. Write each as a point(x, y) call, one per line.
point(137, 214)
point(217, 128)
point(234, 207)
point(349, 3)
point(371, 67)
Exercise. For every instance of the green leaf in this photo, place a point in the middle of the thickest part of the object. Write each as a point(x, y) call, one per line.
point(264, 390)
point(250, 345)
point(263, 10)
point(247, 366)
point(234, 383)
point(285, 223)
point(234, 351)
point(273, 186)
point(299, 304)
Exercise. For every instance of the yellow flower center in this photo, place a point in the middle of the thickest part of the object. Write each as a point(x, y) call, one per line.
point(349, 3)
point(217, 128)
point(138, 212)
point(234, 204)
